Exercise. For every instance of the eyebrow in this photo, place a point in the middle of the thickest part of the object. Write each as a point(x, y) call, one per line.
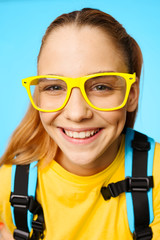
point(99, 72)
point(55, 74)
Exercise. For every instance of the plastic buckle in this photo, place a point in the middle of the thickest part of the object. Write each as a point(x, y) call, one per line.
point(105, 193)
point(141, 146)
point(138, 184)
point(111, 189)
point(37, 226)
point(20, 234)
point(108, 192)
point(143, 234)
point(19, 201)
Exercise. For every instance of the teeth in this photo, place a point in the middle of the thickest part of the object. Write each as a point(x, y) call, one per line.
point(82, 135)
point(92, 133)
point(68, 133)
point(86, 134)
point(75, 135)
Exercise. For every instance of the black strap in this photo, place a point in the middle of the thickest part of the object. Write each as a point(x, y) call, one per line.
point(21, 191)
point(140, 199)
point(130, 184)
point(22, 203)
point(138, 185)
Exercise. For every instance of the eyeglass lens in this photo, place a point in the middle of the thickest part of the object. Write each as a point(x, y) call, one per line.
point(104, 92)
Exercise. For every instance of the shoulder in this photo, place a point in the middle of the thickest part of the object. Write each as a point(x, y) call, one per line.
point(5, 187)
point(5, 178)
point(156, 177)
point(156, 192)
point(156, 166)
point(157, 150)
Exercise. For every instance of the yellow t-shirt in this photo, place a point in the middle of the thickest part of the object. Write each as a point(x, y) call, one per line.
point(73, 206)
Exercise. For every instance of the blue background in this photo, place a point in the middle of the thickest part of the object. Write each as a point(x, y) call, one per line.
point(22, 25)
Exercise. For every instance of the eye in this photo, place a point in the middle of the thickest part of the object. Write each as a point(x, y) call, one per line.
point(51, 85)
point(101, 87)
point(53, 88)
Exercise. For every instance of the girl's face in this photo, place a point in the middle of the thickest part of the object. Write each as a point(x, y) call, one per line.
point(74, 52)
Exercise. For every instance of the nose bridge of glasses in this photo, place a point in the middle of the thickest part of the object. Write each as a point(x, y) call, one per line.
point(76, 82)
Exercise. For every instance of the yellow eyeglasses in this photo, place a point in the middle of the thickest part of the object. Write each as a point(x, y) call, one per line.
point(106, 91)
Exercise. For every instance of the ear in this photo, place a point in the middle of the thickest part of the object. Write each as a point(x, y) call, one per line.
point(132, 102)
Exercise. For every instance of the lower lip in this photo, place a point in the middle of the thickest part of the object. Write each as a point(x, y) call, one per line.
point(80, 140)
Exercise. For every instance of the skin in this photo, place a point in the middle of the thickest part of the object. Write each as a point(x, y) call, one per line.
point(4, 234)
point(74, 52)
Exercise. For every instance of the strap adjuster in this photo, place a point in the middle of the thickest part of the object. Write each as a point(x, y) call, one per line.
point(37, 226)
point(20, 234)
point(145, 234)
point(130, 184)
point(139, 184)
point(109, 191)
point(19, 201)
point(141, 146)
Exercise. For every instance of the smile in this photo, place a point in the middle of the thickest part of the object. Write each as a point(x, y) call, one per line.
point(81, 135)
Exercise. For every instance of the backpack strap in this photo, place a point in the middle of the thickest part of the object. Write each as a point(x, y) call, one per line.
point(139, 155)
point(138, 184)
point(23, 203)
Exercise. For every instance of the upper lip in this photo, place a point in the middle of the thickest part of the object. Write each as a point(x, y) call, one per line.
point(79, 129)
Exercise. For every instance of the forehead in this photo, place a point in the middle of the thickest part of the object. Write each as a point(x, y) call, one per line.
point(85, 48)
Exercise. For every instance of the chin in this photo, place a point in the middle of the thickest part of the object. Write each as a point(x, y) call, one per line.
point(81, 160)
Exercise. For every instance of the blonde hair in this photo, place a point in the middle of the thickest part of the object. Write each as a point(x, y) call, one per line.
point(30, 141)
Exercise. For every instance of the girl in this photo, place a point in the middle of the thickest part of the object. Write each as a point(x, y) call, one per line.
point(85, 95)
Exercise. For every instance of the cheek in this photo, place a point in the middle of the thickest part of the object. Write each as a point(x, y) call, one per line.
point(47, 119)
point(115, 117)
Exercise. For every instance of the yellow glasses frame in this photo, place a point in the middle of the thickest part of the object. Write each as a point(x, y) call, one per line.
point(79, 83)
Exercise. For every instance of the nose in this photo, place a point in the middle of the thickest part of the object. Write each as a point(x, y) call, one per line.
point(77, 109)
